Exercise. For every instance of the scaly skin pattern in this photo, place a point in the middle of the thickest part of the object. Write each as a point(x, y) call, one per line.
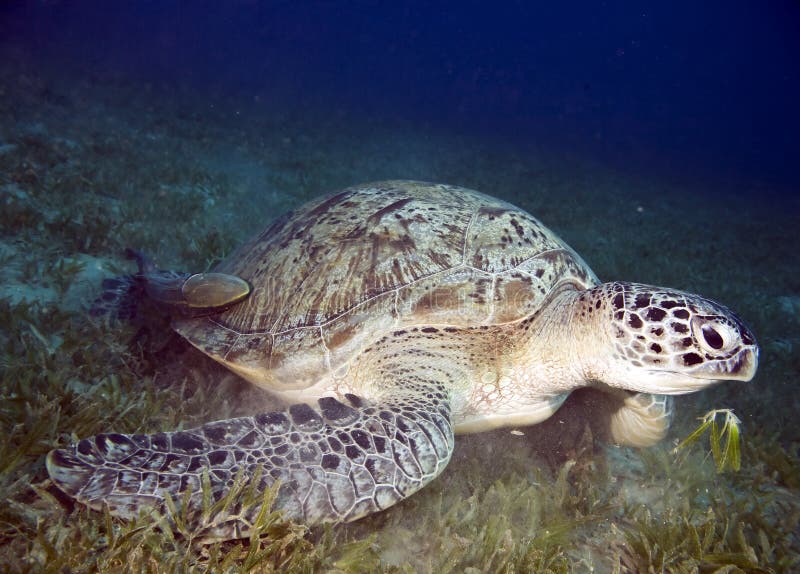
point(335, 463)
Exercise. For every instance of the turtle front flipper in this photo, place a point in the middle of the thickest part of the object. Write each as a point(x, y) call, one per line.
point(335, 463)
point(628, 418)
point(174, 292)
point(642, 419)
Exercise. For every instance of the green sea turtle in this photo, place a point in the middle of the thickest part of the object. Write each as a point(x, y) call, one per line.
point(393, 316)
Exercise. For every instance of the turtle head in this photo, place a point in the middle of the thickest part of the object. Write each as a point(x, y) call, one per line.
point(664, 341)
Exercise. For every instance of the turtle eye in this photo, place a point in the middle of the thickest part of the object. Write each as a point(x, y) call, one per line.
point(713, 335)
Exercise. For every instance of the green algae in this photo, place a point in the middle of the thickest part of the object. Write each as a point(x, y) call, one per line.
point(728, 457)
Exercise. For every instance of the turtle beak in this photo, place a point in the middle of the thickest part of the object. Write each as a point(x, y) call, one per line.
point(741, 366)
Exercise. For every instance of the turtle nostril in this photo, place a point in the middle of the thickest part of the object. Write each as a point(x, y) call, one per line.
point(712, 337)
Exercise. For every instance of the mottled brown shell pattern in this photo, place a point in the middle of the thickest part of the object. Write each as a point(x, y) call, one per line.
point(331, 277)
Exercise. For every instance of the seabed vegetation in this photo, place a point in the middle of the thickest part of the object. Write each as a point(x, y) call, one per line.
point(90, 169)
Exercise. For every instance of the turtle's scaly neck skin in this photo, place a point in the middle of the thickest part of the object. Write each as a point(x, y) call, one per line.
point(531, 372)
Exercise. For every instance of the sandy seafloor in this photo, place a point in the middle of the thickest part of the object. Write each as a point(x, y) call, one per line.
point(90, 166)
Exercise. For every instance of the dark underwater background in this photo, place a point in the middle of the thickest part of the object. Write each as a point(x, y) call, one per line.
point(659, 139)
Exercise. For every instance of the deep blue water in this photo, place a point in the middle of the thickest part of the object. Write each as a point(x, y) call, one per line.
point(700, 87)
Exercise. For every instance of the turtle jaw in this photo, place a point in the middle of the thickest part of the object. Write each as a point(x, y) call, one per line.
point(740, 367)
point(668, 382)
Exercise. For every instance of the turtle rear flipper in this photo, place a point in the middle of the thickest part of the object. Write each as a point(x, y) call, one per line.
point(188, 294)
point(194, 295)
point(120, 298)
point(175, 293)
